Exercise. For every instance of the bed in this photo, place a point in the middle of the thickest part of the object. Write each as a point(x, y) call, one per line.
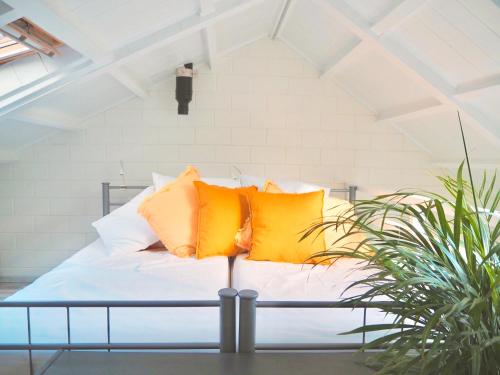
point(294, 282)
point(94, 274)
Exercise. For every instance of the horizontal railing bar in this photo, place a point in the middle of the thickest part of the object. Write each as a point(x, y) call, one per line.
point(103, 346)
point(127, 187)
point(194, 303)
point(343, 190)
point(310, 346)
point(324, 304)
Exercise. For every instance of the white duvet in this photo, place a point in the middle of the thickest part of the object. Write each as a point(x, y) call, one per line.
point(295, 282)
point(93, 274)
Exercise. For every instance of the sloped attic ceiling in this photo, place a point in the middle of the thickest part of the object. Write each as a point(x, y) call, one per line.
point(413, 63)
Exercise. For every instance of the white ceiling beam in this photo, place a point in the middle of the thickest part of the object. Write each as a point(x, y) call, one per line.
point(43, 86)
point(129, 81)
point(412, 66)
point(396, 16)
point(45, 17)
point(483, 83)
point(350, 54)
point(282, 18)
point(207, 7)
point(412, 111)
point(129, 52)
point(48, 118)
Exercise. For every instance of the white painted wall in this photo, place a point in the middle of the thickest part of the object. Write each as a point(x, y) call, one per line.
point(263, 109)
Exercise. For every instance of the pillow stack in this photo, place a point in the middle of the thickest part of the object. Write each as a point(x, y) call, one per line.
point(207, 217)
point(194, 216)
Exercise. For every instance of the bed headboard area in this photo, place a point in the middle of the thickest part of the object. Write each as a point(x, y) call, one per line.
point(107, 202)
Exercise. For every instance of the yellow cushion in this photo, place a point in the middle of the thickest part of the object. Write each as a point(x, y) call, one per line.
point(222, 211)
point(243, 237)
point(333, 209)
point(278, 221)
point(172, 213)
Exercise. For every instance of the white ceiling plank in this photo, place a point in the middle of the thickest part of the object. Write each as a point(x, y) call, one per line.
point(415, 68)
point(477, 85)
point(132, 83)
point(206, 7)
point(409, 112)
point(47, 118)
point(128, 52)
point(396, 16)
point(9, 17)
point(43, 16)
point(282, 18)
point(180, 30)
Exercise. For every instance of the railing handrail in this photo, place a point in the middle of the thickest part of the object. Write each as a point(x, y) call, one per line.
point(112, 303)
point(325, 304)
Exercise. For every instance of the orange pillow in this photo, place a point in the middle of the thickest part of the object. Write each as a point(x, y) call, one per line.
point(278, 222)
point(172, 213)
point(243, 237)
point(222, 211)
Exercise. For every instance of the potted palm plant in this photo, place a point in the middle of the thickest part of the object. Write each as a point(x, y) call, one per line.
point(438, 261)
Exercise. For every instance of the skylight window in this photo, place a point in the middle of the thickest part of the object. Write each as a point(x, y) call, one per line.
point(11, 49)
point(23, 38)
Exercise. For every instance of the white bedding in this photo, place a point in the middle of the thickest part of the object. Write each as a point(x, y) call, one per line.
point(93, 274)
point(286, 281)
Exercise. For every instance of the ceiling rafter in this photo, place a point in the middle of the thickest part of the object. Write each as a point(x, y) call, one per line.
point(207, 7)
point(396, 16)
point(124, 54)
point(411, 111)
point(282, 18)
point(483, 83)
point(412, 66)
point(131, 82)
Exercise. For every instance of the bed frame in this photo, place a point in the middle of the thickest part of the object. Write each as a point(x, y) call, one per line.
point(107, 204)
point(226, 303)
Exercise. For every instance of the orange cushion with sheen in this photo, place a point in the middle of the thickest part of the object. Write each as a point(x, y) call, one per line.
point(278, 221)
point(172, 213)
point(244, 236)
point(222, 211)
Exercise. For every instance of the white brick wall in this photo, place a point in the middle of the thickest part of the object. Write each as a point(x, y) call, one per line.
point(262, 109)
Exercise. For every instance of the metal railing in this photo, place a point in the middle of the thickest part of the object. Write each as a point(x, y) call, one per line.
point(248, 305)
point(227, 330)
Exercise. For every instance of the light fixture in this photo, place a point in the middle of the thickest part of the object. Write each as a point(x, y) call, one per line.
point(184, 88)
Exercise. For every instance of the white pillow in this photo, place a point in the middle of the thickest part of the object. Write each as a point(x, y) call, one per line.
point(160, 181)
point(287, 186)
point(124, 230)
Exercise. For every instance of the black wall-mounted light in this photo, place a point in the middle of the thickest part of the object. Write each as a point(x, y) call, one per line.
point(184, 88)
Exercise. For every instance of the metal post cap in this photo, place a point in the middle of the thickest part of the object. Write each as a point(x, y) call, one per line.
point(228, 293)
point(248, 294)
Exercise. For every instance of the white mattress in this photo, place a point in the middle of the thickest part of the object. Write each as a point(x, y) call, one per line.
point(93, 274)
point(295, 282)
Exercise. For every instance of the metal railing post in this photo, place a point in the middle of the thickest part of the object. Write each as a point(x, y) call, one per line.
point(227, 320)
point(105, 198)
point(247, 327)
point(352, 193)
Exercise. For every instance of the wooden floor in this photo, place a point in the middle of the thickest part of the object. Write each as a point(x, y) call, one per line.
point(102, 363)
